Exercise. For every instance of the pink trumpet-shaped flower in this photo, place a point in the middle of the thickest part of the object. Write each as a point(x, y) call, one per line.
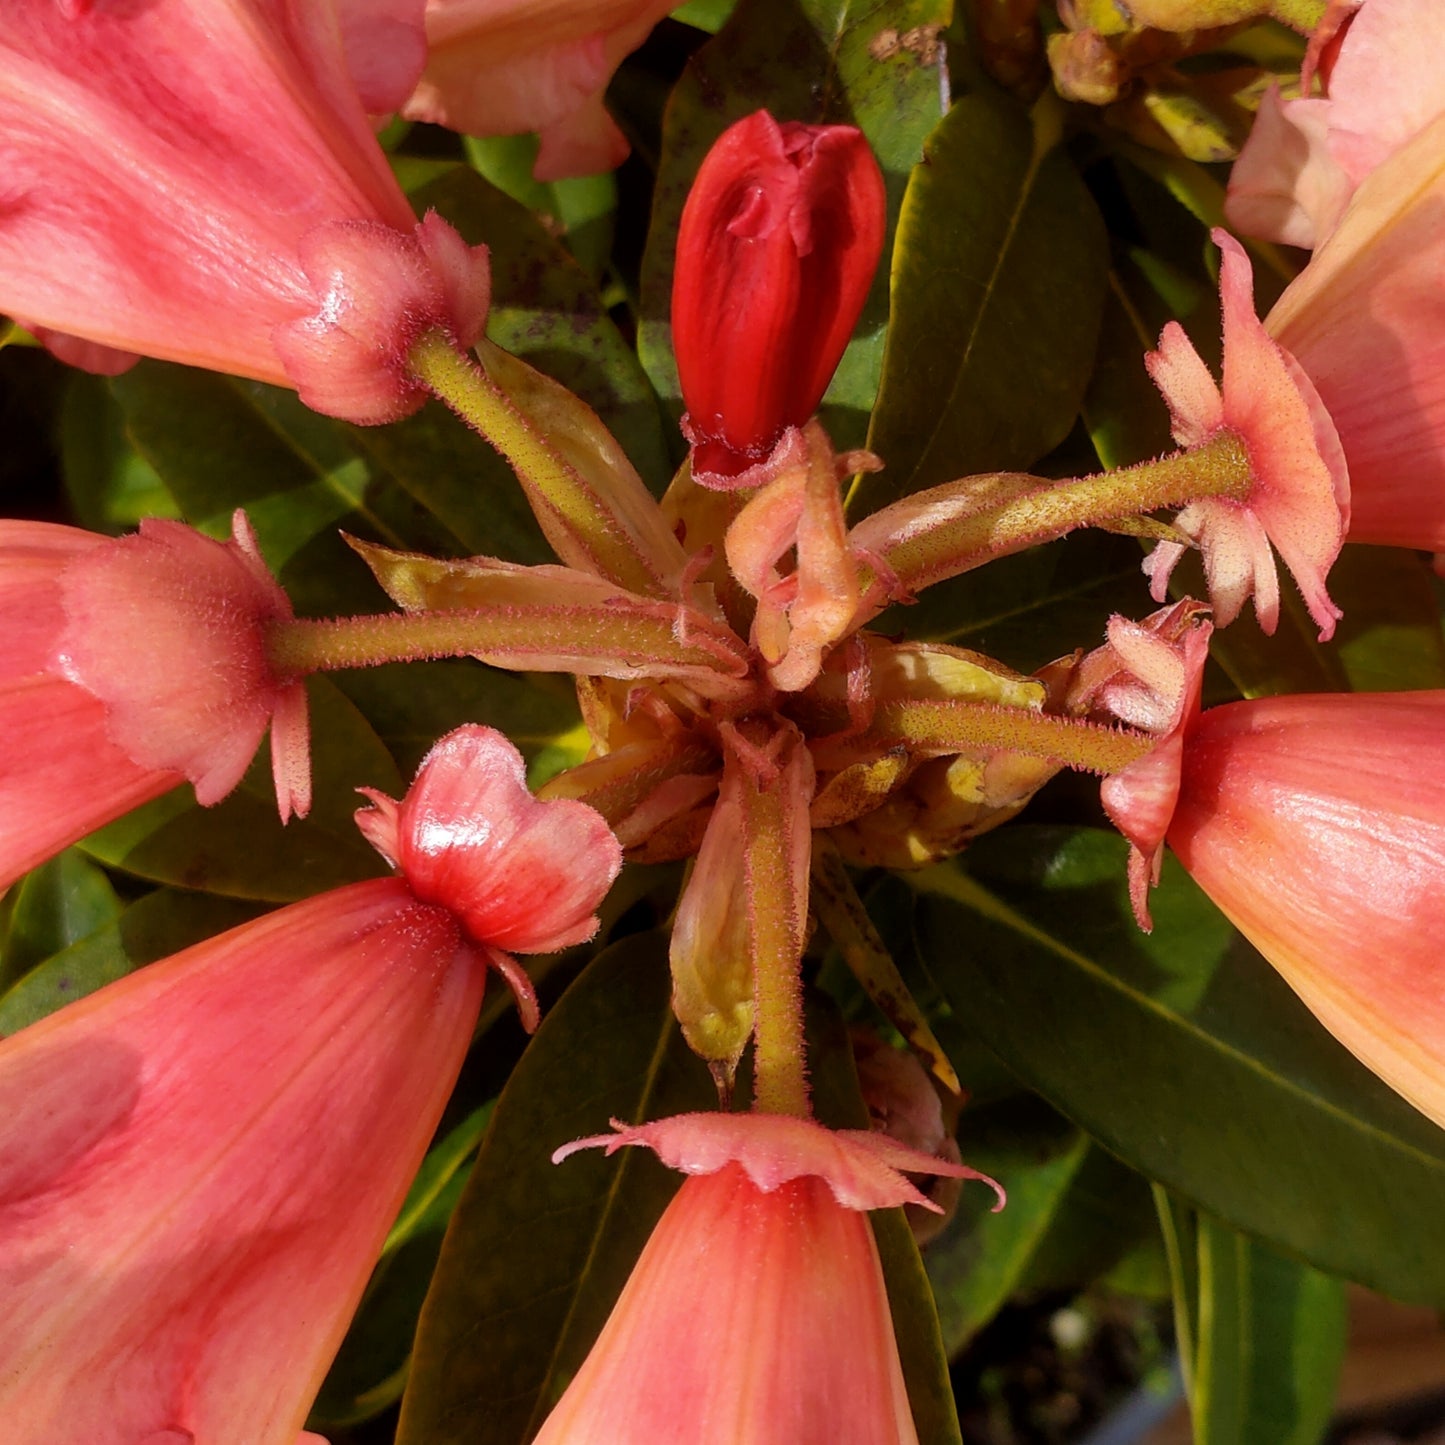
point(1360, 175)
point(128, 665)
point(199, 1163)
point(197, 180)
point(501, 67)
point(757, 1311)
point(1300, 498)
point(1317, 824)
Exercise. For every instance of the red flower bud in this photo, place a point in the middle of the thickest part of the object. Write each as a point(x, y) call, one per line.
point(777, 249)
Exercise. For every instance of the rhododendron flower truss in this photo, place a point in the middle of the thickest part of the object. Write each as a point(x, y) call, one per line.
point(130, 665)
point(199, 1163)
point(1317, 824)
point(736, 747)
point(729, 1328)
point(199, 182)
point(1298, 504)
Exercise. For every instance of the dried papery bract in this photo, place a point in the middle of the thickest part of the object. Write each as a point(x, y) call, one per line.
point(175, 176)
point(778, 243)
point(505, 68)
point(199, 1163)
point(758, 1310)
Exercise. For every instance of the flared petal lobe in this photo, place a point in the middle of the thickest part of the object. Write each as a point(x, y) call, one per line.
point(1317, 824)
point(164, 161)
point(776, 251)
point(758, 1310)
point(500, 67)
point(198, 1165)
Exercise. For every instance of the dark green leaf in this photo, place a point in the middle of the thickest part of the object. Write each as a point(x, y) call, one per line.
point(1183, 1053)
point(980, 1258)
point(53, 907)
point(161, 923)
point(838, 1102)
point(580, 211)
point(873, 65)
point(110, 486)
point(1073, 1212)
point(1263, 1336)
point(536, 1255)
point(239, 847)
point(999, 276)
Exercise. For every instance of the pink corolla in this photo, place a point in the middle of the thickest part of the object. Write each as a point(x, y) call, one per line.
point(199, 1163)
point(1299, 498)
point(758, 1310)
point(129, 665)
point(499, 67)
point(1365, 318)
point(1317, 824)
point(197, 180)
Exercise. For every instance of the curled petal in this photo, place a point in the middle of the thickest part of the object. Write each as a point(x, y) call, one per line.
point(1299, 495)
point(862, 1169)
point(522, 875)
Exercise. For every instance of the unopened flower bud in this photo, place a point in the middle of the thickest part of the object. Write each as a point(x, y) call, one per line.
point(777, 249)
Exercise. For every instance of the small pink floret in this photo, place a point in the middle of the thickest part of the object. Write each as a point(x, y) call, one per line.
point(1299, 503)
point(519, 875)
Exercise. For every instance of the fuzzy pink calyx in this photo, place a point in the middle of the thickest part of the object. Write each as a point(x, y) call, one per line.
point(167, 629)
point(861, 1168)
point(377, 292)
